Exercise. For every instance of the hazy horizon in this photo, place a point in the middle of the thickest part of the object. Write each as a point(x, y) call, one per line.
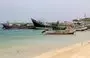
point(44, 10)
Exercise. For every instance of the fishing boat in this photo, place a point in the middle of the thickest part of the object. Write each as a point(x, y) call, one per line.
point(59, 32)
point(66, 31)
point(17, 26)
point(38, 23)
point(79, 25)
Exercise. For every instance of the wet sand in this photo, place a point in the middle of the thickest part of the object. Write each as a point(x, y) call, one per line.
point(25, 51)
point(80, 50)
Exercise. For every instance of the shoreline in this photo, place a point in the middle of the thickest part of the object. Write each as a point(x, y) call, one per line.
point(73, 51)
point(70, 51)
point(50, 46)
point(24, 51)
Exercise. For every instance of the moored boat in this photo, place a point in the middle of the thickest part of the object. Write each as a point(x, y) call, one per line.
point(67, 31)
point(59, 32)
point(79, 25)
point(17, 26)
point(39, 24)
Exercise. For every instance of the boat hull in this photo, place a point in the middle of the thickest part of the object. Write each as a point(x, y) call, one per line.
point(59, 33)
point(6, 26)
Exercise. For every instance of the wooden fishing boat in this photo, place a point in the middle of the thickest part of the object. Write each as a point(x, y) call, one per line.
point(39, 23)
point(59, 32)
point(17, 26)
point(69, 30)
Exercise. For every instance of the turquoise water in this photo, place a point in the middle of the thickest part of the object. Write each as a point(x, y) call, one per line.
point(35, 37)
point(10, 37)
point(35, 42)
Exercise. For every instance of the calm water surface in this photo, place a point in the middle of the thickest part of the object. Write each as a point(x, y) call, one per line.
point(36, 41)
point(34, 37)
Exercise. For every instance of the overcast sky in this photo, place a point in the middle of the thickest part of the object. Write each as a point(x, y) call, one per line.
point(45, 10)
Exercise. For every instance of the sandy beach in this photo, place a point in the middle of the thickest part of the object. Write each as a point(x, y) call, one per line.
point(24, 51)
point(80, 50)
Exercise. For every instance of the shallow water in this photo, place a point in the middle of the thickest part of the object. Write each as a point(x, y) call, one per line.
point(38, 42)
point(18, 37)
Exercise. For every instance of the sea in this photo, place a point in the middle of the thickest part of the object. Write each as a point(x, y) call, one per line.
point(39, 41)
point(27, 36)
